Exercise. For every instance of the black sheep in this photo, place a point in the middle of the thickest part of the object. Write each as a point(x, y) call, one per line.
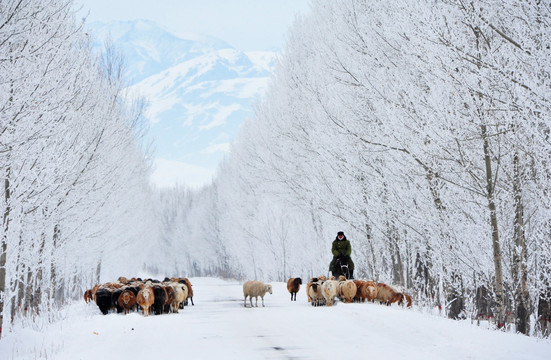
point(103, 300)
point(115, 299)
point(160, 298)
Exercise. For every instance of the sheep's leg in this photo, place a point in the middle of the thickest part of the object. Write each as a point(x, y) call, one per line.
point(262, 301)
point(251, 300)
point(245, 303)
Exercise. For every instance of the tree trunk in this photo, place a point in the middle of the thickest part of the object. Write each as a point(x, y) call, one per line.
point(371, 268)
point(500, 307)
point(421, 277)
point(3, 255)
point(54, 285)
point(98, 271)
point(520, 273)
point(456, 299)
point(544, 311)
point(398, 265)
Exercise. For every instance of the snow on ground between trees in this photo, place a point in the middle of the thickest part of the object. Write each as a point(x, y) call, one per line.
point(219, 327)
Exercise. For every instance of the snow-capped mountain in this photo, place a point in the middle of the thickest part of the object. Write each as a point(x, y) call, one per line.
point(199, 90)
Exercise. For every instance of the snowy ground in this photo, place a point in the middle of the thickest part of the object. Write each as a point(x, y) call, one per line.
point(218, 327)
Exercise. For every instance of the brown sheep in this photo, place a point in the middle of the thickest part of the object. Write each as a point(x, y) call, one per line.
point(405, 297)
point(347, 290)
point(293, 285)
point(127, 300)
point(95, 290)
point(387, 295)
point(369, 290)
point(88, 296)
point(359, 286)
point(169, 301)
point(145, 299)
point(189, 289)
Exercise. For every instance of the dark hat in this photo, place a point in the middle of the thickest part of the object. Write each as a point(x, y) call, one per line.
point(340, 233)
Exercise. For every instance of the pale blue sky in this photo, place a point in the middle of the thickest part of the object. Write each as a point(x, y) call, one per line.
point(244, 24)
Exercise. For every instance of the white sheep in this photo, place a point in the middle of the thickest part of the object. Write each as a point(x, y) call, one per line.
point(253, 288)
point(315, 294)
point(180, 295)
point(329, 290)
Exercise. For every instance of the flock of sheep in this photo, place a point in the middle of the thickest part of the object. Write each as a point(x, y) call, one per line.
point(321, 291)
point(125, 295)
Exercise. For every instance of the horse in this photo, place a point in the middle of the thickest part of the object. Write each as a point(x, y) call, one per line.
point(340, 267)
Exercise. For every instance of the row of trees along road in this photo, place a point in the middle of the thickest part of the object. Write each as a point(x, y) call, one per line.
point(422, 129)
point(74, 177)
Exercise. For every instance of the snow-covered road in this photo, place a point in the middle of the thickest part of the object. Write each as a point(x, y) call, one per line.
point(218, 327)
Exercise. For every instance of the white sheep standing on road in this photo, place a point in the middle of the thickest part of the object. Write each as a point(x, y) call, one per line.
point(330, 291)
point(253, 288)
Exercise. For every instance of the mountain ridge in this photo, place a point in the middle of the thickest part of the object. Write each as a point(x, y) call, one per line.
point(198, 89)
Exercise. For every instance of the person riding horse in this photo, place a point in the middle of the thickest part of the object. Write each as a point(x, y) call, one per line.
point(341, 250)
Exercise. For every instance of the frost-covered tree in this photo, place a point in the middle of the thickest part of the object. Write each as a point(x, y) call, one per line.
point(73, 170)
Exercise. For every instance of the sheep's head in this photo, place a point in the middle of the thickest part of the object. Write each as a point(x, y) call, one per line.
point(268, 288)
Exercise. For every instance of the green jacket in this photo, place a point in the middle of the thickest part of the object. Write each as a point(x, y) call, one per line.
point(341, 248)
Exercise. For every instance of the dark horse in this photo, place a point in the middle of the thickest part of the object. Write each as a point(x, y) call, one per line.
point(340, 267)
